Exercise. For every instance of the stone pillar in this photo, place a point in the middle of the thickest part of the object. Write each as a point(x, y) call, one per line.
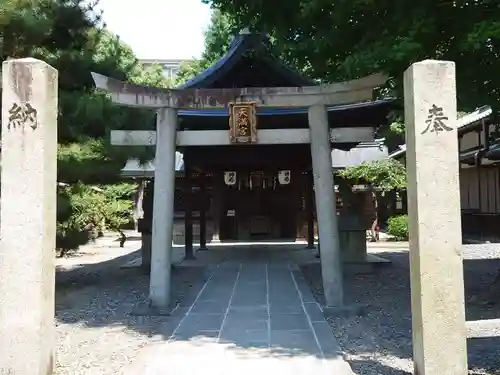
point(353, 246)
point(163, 208)
point(28, 217)
point(188, 213)
point(203, 212)
point(326, 210)
point(310, 209)
point(146, 239)
point(437, 285)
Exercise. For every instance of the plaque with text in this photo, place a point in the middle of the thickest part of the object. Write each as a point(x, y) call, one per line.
point(243, 122)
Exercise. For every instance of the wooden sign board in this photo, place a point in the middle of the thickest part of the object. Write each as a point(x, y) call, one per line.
point(243, 122)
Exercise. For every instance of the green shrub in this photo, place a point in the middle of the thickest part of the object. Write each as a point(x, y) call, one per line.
point(74, 227)
point(84, 212)
point(118, 207)
point(398, 227)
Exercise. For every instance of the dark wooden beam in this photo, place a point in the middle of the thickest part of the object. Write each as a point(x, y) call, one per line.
point(310, 209)
point(188, 215)
point(203, 213)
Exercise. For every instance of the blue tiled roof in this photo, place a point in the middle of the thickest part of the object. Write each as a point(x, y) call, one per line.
point(241, 44)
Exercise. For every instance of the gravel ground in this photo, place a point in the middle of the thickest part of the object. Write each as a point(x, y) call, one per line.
point(97, 331)
point(380, 342)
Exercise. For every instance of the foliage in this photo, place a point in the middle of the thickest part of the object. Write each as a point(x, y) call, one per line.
point(386, 174)
point(87, 161)
point(69, 235)
point(80, 217)
point(190, 69)
point(397, 226)
point(152, 75)
point(86, 211)
point(340, 39)
point(218, 37)
point(111, 54)
point(119, 206)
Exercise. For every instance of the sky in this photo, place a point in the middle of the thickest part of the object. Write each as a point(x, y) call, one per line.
point(158, 29)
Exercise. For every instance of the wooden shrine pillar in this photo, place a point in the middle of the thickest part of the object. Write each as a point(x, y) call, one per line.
point(188, 213)
point(203, 211)
point(309, 200)
point(216, 206)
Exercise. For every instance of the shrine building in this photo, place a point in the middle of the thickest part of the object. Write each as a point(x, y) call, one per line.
point(256, 139)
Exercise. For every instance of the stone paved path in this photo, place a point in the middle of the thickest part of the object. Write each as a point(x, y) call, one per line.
point(248, 318)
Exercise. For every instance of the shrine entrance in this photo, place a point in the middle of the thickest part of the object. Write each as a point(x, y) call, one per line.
point(260, 208)
point(259, 192)
point(256, 139)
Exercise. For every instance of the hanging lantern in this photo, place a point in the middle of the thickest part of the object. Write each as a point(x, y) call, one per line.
point(230, 178)
point(284, 177)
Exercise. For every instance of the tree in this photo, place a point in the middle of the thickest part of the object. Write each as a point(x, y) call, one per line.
point(84, 212)
point(87, 117)
point(190, 69)
point(386, 174)
point(218, 37)
point(152, 75)
point(56, 31)
point(383, 176)
point(113, 57)
point(344, 39)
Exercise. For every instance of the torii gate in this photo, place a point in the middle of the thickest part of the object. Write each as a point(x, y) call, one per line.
point(167, 137)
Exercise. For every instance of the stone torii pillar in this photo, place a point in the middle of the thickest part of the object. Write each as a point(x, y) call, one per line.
point(326, 210)
point(437, 285)
point(163, 208)
point(28, 217)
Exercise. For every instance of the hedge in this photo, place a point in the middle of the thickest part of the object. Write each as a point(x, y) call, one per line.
point(398, 227)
